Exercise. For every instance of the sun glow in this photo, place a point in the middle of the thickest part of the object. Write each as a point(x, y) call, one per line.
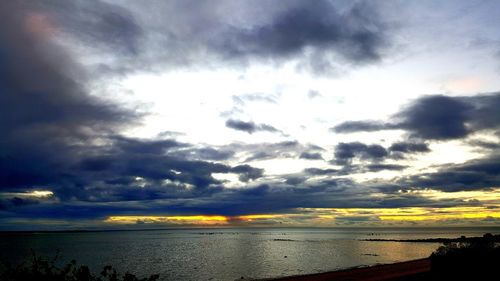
point(409, 213)
point(327, 217)
point(260, 217)
point(198, 219)
point(39, 194)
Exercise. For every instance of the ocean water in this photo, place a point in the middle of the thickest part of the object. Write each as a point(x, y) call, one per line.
point(229, 254)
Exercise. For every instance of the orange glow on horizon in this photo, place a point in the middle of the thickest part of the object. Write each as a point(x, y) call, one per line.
point(445, 214)
point(259, 217)
point(410, 213)
point(197, 219)
point(326, 216)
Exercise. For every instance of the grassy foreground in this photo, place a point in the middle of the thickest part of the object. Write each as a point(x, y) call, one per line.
point(44, 269)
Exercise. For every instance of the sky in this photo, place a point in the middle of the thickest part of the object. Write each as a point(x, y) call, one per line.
point(183, 113)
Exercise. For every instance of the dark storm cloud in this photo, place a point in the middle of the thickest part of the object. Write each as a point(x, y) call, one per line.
point(261, 155)
point(56, 136)
point(247, 172)
point(164, 34)
point(359, 126)
point(438, 117)
point(475, 174)
point(264, 198)
point(147, 170)
point(46, 116)
point(345, 152)
point(400, 150)
point(311, 156)
point(316, 147)
point(328, 193)
point(145, 146)
point(94, 23)
point(9, 203)
point(356, 34)
point(272, 197)
point(164, 166)
point(485, 144)
point(381, 167)
point(409, 147)
point(320, 172)
point(285, 149)
point(295, 180)
point(250, 127)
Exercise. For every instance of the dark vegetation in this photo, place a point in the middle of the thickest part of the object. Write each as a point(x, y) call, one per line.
point(467, 259)
point(44, 269)
point(462, 240)
point(464, 258)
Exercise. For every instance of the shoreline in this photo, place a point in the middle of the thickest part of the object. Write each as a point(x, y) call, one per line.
point(463, 239)
point(406, 270)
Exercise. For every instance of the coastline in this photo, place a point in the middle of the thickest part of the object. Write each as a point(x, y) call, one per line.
point(408, 270)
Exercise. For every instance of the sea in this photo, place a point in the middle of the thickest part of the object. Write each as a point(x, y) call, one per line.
point(229, 253)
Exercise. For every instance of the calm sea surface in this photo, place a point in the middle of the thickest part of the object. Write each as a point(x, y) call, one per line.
point(229, 254)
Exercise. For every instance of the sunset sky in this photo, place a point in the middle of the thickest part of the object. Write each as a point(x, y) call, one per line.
point(138, 114)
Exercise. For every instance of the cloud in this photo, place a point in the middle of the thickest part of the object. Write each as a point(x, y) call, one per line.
point(295, 180)
point(409, 147)
point(261, 155)
point(56, 135)
point(47, 117)
point(320, 172)
point(95, 23)
point(178, 33)
point(311, 156)
point(360, 126)
point(146, 170)
point(438, 117)
point(10, 203)
point(250, 127)
point(485, 144)
point(284, 149)
point(356, 34)
point(399, 150)
point(312, 94)
point(247, 172)
point(345, 152)
point(381, 167)
point(242, 99)
point(205, 153)
point(475, 174)
point(144, 146)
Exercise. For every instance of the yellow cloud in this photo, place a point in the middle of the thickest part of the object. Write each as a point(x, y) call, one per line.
point(327, 216)
point(198, 219)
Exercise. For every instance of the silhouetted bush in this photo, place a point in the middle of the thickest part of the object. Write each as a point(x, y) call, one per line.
point(45, 269)
point(477, 260)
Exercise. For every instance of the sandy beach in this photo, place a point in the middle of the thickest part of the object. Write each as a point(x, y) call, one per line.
point(409, 270)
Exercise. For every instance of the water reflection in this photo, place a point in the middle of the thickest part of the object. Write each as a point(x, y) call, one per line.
point(228, 254)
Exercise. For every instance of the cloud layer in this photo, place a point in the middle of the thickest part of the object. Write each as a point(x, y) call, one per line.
point(437, 117)
point(68, 151)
